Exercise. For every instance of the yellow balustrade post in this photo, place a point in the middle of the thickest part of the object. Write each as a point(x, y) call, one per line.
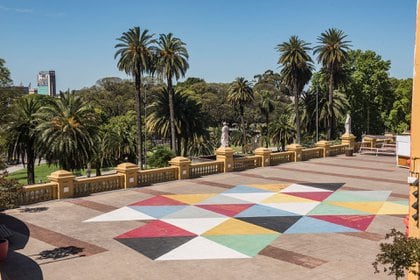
point(129, 170)
point(264, 153)
point(371, 141)
point(297, 149)
point(183, 165)
point(225, 154)
point(65, 183)
point(324, 144)
point(348, 139)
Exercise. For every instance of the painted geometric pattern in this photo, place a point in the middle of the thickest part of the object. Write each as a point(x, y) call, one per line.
point(243, 220)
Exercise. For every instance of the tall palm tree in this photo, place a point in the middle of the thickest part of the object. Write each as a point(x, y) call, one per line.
point(332, 54)
point(135, 54)
point(172, 62)
point(296, 70)
point(22, 132)
point(67, 131)
point(241, 93)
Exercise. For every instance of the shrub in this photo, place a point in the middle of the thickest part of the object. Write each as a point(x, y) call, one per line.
point(399, 256)
point(10, 193)
point(160, 157)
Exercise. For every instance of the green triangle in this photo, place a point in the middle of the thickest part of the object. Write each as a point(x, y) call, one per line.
point(329, 209)
point(246, 244)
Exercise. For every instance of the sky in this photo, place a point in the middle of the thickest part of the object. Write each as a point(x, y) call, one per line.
point(225, 38)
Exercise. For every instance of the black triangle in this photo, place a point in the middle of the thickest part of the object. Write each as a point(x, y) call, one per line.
point(277, 223)
point(156, 246)
point(325, 186)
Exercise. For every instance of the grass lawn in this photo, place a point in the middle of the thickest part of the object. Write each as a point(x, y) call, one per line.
point(42, 171)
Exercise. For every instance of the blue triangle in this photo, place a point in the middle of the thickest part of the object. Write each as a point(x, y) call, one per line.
point(311, 225)
point(245, 189)
point(259, 210)
point(158, 211)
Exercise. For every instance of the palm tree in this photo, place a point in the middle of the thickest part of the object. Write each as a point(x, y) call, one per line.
point(281, 131)
point(240, 93)
point(23, 134)
point(135, 54)
point(172, 62)
point(266, 106)
point(67, 132)
point(332, 53)
point(296, 71)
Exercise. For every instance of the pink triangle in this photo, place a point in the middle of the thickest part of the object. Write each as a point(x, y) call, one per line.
point(156, 228)
point(352, 221)
point(226, 209)
point(318, 196)
point(157, 201)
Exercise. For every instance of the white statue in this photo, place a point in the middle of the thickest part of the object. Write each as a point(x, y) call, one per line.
point(224, 141)
point(347, 125)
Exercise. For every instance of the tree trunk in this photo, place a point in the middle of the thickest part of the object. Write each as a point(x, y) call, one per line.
point(137, 79)
point(243, 129)
point(267, 117)
point(172, 115)
point(296, 95)
point(330, 130)
point(30, 167)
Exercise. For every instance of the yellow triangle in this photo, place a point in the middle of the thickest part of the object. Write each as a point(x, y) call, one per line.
point(390, 208)
point(285, 198)
point(368, 207)
point(270, 187)
point(190, 198)
point(234, 226)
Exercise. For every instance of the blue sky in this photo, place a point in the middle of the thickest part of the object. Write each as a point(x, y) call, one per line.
point(225, 38)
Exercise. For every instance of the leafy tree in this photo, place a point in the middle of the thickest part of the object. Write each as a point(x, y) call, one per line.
point(296, 70)
point(399, 256)
point(281, 130)
point(67, 131)
point(160, 157)
point(369, 92)
point(399, 116)
point(332, 54)
point(10, 193)
point(266, 106)
point(135, 52)
point(23, 135)
point(240, 94)
point(5, 79)
point(172, 62)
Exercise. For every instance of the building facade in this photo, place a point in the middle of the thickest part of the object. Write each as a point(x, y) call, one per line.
point(46, 83)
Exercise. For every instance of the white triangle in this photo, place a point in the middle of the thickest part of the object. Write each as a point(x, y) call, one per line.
point(302, 188)
point(192, 212)
point(197, 226)
point(201, 248)
point(251, 197)
point(300, 208)
point(122, 214)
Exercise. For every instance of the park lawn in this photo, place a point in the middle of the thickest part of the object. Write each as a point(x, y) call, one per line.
point(42, 171)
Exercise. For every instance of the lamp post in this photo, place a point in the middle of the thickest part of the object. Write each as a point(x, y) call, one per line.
point(316, 97)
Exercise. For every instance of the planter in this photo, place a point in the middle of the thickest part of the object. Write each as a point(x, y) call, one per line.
point(4, 248)
point(349, 152)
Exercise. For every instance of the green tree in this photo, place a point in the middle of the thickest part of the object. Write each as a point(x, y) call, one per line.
point(296, 71)
point(266, 106)
point(160, 157)
point(5, 79)
point(399, 118)
point(369, 92)
point(67, 130)
point(23, 135)
point(241, 94)
point(135, 52)
point(332, 54)
point(172, 62)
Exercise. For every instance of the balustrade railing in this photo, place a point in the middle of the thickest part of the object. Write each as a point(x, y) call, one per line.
point(281, 157)
point(206, 168)
point(246, 163)
point(85, 186)
point(158, 175)
point(312, 153)
point(338, 149)
point(37, 193)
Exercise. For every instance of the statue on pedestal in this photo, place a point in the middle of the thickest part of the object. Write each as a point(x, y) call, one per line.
point(347, 125)
point(224, 141)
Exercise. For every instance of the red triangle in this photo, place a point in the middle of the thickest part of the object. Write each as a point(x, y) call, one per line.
point(226, 209)
point(156, 228)
point(352, 221)
point(318, 196)
point(157, 201)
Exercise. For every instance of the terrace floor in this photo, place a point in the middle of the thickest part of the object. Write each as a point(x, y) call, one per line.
point(318, 219)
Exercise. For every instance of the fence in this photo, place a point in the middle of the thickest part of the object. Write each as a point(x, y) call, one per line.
point(64, 184)
point(206, 168)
